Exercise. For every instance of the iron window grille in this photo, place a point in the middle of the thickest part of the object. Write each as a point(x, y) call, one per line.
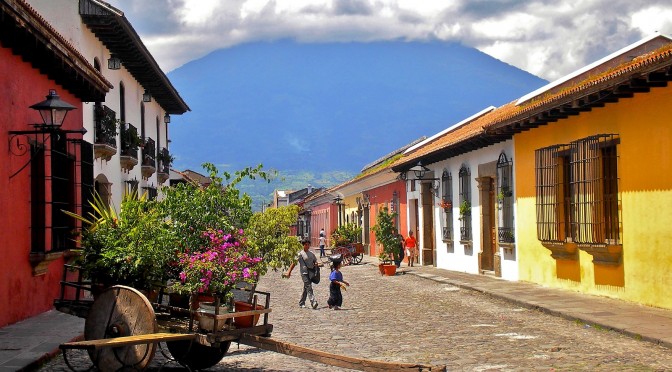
point(506, 230)
point(465, 204)
point(105, 125)
point(577, 191)
point(447, 205)
point(149, 153)
point(61, 179)
point(152, 192)
point(130, 141)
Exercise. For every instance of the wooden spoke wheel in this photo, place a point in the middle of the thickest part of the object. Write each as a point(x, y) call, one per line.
point(356, 259)
point(121, 311)
point(195, 355)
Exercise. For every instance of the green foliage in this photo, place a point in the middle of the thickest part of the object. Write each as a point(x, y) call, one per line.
point(346, 234)
point(268, 236)
point(192, 209)
point(387, 234)
point(141, 244)
point(133, 247)
point(465, 209)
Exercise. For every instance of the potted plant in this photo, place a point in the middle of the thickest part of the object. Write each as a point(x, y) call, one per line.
point(446, 204)
point(387, 235)
point(465, 209)
point(132, 247)
point(346, 234)
point(216, 267)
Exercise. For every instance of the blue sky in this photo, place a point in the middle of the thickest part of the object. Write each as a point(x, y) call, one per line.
point(547, 38)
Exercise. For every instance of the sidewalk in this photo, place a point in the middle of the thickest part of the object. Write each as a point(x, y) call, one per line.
point(24, 345)
point(634, 320)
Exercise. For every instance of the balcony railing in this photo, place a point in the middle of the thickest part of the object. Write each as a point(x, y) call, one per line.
point(106, 126)
point(149, 153)
point(163, 162)
point(130, 141)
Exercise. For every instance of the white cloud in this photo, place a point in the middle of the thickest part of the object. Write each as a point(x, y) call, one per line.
point(546, 38)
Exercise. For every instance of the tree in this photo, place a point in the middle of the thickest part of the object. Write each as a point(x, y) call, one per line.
point(387, 235)
point(268, 237)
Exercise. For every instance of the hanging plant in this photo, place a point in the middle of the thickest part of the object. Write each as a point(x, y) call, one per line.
point(465, 209)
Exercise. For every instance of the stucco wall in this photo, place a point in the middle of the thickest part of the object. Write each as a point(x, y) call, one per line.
point(457, 256)
point(645, 183)
point(22, 86)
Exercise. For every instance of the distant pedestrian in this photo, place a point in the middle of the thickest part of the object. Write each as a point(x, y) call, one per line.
point(323, 240)
point(411, 248)
point(335, 300)
point(400, 254)
point(307, 261)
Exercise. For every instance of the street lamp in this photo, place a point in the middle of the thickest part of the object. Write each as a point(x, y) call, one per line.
point(419, 170)
point(166, 118)
point(52, 110)
point(114, 63)
point(146, 97)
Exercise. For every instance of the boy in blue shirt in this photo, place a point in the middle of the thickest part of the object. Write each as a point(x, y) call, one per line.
point(335, 300)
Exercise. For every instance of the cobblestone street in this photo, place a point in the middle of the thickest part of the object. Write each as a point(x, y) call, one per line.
point(411, 319)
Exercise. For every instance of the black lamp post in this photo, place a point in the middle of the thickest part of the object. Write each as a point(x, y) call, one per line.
point(114, 63)
point(419, 170)
point(52, 110)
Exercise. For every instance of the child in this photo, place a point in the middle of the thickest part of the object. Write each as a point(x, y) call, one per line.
point(336, 277)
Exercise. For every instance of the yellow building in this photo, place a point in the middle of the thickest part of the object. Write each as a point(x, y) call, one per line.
point(593, 175)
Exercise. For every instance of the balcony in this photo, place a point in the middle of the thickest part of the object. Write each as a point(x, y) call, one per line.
point(148, 158)
point(130, 141)
point(106, 123)
point(164, 161)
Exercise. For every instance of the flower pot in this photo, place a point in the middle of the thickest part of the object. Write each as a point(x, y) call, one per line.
point(206, 316)
point(246, 321)
point(389, 270)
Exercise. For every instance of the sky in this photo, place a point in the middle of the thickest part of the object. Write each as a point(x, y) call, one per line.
point(548, 38)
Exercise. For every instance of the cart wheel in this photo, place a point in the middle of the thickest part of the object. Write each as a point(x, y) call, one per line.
point(195, 355)
point(357, 258)
point(117, 312)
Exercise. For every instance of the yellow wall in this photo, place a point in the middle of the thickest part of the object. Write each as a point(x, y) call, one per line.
point(644, 124)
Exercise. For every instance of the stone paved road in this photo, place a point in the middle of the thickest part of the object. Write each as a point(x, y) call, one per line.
point(411, 319)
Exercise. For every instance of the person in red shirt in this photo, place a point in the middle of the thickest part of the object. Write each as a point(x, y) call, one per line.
point(411, 248)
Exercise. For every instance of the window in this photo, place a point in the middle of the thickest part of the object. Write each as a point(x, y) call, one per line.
point(577, 191)
point(465, 204)
point(447, 204)
point(61, 183)
point(505, 232)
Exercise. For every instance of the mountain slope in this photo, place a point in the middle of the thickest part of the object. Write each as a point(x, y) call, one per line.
point(335, 106)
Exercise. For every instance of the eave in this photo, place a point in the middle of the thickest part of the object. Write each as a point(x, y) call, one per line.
point(113, 29)
point(24, 31)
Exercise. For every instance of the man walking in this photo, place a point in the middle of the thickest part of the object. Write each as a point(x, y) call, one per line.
point(307, 261)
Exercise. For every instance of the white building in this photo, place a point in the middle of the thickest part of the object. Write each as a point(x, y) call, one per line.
point(140, 101)
point(465, 210)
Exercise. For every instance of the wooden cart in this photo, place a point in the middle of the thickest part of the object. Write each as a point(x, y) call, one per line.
point(123, 327)
point(123, 330)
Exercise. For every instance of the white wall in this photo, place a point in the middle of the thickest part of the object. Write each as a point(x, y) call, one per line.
point(63, 15)
point(460, 258)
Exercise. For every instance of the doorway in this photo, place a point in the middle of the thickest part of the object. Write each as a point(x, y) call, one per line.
point(488, 231)
point(427, 243)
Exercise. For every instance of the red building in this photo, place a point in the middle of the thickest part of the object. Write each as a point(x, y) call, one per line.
point(45, 169)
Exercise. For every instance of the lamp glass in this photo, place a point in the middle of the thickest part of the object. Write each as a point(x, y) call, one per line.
point(166, 119)
point(114, 63)
point(146, 97)
point(53, 110)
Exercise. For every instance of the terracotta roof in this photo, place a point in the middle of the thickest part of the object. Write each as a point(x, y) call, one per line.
point(29, 35)
point(652, 69)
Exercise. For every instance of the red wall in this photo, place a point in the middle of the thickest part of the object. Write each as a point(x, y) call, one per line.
point(323, 216)
point(380, 197)
point(23, 294)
